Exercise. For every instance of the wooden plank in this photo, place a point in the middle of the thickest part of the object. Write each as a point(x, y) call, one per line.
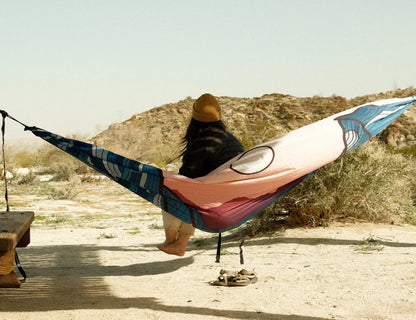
point(24, 240)
point(8, 240)
point(9, 281)
point(7, 262)
point(13, 225)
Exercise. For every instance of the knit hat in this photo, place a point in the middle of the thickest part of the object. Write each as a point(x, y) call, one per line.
point(206, 109)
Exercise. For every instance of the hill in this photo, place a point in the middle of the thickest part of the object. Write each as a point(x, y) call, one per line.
point(362, 185)
point(154, 136)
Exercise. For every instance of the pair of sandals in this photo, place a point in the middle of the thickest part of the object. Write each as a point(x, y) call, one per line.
point(240, 278)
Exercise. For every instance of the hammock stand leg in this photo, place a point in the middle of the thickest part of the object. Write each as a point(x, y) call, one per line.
point(241, 252)
point(217, 259)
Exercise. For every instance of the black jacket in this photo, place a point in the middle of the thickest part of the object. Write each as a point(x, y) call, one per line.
point(207, 152)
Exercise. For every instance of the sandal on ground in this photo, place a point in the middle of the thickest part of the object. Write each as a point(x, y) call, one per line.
point(251, 275)
point(232, 281)
point(228, 273)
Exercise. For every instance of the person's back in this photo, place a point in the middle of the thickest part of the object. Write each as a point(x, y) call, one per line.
point(207, 145)
point(211, 148)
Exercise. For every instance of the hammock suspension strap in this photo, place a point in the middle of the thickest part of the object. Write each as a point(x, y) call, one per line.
point(3, 130)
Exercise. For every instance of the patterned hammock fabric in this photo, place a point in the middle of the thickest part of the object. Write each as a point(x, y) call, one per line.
point(248, 183)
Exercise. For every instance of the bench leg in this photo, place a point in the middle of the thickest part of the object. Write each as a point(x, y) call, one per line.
point(24, 240)
point(8, 278)
point(9, 281)
point(7, 262)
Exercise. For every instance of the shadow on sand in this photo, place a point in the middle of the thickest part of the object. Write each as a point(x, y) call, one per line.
point(233, 240)
point(53, 284)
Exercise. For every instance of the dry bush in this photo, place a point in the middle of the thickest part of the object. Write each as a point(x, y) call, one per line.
point(371, 183)
point(59, 164)
point(24, 159)
point(64, 190)
point(47, 159)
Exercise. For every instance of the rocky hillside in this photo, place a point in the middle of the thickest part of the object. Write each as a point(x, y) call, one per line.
point(154, 136)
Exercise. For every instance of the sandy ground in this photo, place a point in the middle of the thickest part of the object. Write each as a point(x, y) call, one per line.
point(108, 267)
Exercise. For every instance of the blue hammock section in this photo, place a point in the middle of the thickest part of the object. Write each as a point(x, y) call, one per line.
point(144, 180)
point(369, 120)
point(358, 125)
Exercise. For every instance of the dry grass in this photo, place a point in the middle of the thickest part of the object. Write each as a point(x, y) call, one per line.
point(372, 183)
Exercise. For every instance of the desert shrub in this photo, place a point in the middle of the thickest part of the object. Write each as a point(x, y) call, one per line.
point(371, 183)
point(59, 164)
point(46, 160)
point(263, 132)
point(26, 178)
point(407, 151)
point(24, 159)
point(159, 162)
point(63, 190)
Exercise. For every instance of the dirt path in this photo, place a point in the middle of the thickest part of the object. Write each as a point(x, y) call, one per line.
point(108, 267)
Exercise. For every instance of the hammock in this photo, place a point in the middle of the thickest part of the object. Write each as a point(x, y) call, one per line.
point(248, 183)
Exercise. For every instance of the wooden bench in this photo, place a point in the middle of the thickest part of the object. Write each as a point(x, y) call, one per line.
point(14, 232)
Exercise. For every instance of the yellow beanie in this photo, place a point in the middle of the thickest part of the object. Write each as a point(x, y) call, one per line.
point(206, 109)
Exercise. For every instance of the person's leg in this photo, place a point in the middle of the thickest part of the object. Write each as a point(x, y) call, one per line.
point(170, 236)
point(171, 225)
point(178, 247)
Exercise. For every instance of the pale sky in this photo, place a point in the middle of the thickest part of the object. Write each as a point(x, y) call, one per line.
point(76, 66)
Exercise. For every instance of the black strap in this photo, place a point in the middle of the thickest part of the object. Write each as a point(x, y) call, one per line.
point(241, 252)
point(3, 130)
point(19, 267)
point(5, 114)
point(217, 259)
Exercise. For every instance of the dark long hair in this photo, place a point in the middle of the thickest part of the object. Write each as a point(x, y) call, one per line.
point(195, 128)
